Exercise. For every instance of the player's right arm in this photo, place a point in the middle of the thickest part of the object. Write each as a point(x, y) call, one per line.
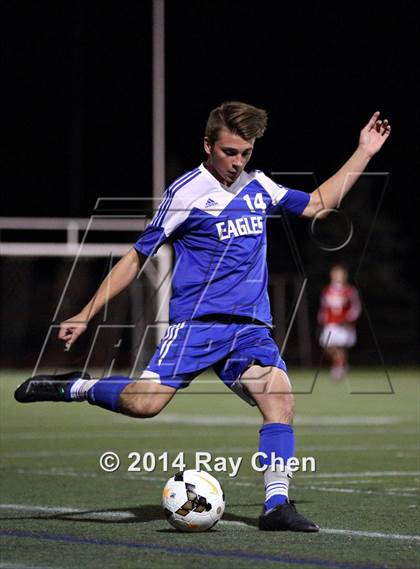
point(170, 214)
point(116, 281)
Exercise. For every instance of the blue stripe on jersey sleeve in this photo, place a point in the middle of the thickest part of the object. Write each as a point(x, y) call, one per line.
point(294, 202)
point(150, 240)
point(171, 191)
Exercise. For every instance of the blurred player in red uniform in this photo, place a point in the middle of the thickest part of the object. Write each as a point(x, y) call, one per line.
point(339, 309)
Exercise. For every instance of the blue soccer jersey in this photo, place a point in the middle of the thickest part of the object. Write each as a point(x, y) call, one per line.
point(219, 236)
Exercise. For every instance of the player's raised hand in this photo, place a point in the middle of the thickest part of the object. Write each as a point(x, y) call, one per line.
point(374, 134)
point(71, 329)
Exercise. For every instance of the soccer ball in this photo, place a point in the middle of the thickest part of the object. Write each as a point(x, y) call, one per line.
point(193, 500)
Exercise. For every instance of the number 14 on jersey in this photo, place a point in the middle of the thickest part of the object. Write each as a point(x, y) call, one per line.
point(258, 202)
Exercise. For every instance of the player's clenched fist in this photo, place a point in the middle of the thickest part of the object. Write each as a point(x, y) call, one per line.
point(71, 329)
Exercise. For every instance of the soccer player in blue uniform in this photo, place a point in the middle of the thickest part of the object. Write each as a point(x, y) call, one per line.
point(215, 216)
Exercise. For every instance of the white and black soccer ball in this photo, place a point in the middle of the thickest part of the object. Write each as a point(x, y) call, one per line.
point(193, 500)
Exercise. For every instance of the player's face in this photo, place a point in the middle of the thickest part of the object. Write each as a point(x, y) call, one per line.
point(338, 275)
point(228, 156)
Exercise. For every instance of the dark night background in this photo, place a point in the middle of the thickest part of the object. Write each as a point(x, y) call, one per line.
point(77, 106)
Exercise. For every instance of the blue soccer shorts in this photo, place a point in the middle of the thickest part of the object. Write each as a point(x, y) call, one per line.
point(189, 348)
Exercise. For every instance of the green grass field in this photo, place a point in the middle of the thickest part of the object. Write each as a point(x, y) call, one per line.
point(60, 510)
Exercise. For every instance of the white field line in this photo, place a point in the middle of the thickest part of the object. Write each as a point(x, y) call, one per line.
point(225, 420)
point(122, 514)
point(366, 474)
point(48, 453)
point(213, 450)
point(351, 431)
point(6, 565)
point(313, 421)
point(64, 472)
point(365, 447)
point(74, 434)
point(71, 473)
point(80, 513)
point(146, 477)
point(29, 508)
point(406, 489)
point(327, 448)
point(361, 481)
point(85, 434)
point(386, 492)
point(359, 491)
point(235, 523)
point(372, 534)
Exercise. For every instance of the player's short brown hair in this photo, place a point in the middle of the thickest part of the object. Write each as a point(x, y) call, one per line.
point(240, 118)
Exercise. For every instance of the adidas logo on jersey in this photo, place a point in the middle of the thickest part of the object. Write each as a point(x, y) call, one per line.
point(210, 202)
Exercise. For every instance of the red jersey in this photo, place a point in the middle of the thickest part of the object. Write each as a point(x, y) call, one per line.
point(340, 304)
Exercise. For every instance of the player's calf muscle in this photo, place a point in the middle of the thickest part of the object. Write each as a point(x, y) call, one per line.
point(144, 399)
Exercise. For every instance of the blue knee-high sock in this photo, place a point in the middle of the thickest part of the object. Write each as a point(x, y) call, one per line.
point(105, 392)
point(277, 438)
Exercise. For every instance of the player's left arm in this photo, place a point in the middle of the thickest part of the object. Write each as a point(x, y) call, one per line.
point(355, 306)
point(331, 192)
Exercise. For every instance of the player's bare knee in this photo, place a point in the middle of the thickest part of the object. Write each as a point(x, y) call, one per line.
point(286, 406)
point(280, 390)
point(287, 402)
point(277, 407)
point(282, 405)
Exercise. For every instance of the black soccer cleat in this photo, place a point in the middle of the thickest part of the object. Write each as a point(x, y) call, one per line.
point(285, 518)
point(47, 387)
